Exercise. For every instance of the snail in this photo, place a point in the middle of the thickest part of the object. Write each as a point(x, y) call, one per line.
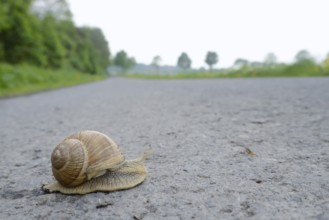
point(89, 161)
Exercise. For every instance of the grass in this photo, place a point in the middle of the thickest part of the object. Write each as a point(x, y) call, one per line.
point(293, 70)
point(24, 79)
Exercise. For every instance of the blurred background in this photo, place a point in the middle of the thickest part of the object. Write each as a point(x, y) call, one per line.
point(54, 43)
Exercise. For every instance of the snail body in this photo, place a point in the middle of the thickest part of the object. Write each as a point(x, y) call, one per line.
point(90, 161)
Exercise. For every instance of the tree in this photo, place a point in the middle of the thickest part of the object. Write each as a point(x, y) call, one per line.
point(270, 59)
point(86, 48)
point(184, 61)
point(304, 65)
point(157, 62)
point(131, 62)
point(121, 59)
point(100, 43)
point(42, 33)
point(4, 16)
point(20, 37)
point(304, 56)
point(211, 58)
point(4, 25)
point(55, 51)
point(241, 63)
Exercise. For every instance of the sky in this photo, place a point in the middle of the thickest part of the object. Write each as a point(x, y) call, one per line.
point(248, 29)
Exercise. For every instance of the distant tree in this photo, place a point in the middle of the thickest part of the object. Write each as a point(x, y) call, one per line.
point(131, 62)
point(86, 48)
point(184, 61)
point(304, 65)
point(270, 59)
point(121, 59)
point(157, 62)
point(304, 56)
point(102, 51)
point(241, 63)
point(211, 59)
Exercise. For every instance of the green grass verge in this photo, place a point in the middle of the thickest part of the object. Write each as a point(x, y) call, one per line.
point(24, 79)
point(278, 71)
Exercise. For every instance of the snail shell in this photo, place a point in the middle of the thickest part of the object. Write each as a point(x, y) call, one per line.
point(90, 161)
point(83, 156)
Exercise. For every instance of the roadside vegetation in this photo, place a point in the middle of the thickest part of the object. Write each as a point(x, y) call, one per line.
point(22, 79)
point(282, 70)
point(304, 66)
point(41, 48)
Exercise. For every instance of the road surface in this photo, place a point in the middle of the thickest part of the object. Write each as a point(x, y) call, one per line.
point(204, 134)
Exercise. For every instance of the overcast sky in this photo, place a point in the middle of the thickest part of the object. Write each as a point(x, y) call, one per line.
point(233, 28)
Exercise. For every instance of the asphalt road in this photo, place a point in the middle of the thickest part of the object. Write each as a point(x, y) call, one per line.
point(199, 129)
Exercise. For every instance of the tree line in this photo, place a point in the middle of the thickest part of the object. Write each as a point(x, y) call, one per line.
point(42, 33)
point(304, 62)
point(185, 62)
point(122, 60)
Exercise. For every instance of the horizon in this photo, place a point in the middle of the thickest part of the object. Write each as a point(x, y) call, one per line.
point(249, 31)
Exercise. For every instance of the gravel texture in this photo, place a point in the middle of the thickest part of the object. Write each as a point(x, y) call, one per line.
point(204, 134)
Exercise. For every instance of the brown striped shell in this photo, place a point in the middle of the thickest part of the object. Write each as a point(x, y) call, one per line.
point(83, 156)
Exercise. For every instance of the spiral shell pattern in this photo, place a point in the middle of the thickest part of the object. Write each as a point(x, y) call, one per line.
point(84, 156)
